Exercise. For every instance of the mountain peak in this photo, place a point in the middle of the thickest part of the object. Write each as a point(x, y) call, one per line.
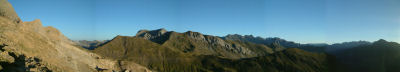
point(380, 41)
point(152, 32)
point(158, 36)
point(195, 35)
point(162, 30)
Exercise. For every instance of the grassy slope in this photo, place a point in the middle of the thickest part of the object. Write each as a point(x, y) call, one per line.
point(289, 60)
point(163, 58)
point(146, 53)
point(381, 56)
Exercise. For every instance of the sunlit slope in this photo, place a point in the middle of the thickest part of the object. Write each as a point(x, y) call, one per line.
point(380, 56)
point(47, 44)
point(177, 52)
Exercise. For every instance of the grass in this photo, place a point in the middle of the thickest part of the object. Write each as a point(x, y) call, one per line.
point(174, 56)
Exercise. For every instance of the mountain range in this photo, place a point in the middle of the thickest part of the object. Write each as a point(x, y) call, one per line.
point(30, 47)
point(170, 51)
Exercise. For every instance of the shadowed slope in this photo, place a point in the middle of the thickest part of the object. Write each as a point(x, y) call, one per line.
point(276, 43)
point(380, 56)
point(289, 60)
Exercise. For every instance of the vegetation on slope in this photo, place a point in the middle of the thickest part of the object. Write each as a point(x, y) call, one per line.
point(165, 58)
point(380, 56)
point(277, 43)
point(198, 44)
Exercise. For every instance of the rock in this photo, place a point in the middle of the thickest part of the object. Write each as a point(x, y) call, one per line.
point(5, 57)
point(151, 34)
point(159, 36)
point(195, 35)
point(6, 10)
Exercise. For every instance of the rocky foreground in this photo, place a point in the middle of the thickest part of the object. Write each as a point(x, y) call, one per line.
point(28, 46)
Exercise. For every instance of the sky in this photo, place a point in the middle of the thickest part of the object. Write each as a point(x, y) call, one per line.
point(303, 21)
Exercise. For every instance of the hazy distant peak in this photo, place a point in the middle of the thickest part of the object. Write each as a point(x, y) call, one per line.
point(90, 44)
point(191, 33)
point(381, 40)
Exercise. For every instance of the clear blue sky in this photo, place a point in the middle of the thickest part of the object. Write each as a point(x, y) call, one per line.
point(304, 21)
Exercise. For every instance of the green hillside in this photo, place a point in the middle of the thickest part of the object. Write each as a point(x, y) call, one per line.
point(182, 52)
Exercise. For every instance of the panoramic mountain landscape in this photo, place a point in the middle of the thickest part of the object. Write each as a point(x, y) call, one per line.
point(30, 46)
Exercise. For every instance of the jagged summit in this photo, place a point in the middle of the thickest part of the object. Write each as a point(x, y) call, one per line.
point(152, 32)
point(159, 36)
point(6, 10)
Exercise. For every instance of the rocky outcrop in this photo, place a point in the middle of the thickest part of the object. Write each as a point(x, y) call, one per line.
point(345, 45)
point(195, 35)
point(51, 47)
point(10, 61)
point(213, 41)
point(6, 10)
point(159, 36)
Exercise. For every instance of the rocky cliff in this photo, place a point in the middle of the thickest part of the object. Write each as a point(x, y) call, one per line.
point(55, 52)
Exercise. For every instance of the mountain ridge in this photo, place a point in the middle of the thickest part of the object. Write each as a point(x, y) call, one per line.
point(29, 46)
point(193, 51)
point(198, 42)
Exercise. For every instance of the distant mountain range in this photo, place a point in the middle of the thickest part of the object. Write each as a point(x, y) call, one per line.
point(255, 53)
point(345, 45)
point(193, 49)
point(90, 44)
